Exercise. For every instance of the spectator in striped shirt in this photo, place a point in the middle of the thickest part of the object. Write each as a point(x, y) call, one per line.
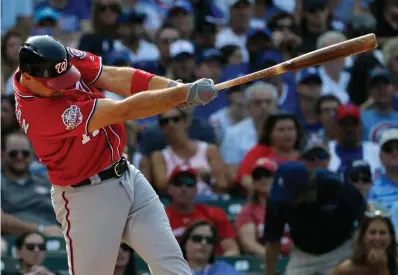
point(385, 188)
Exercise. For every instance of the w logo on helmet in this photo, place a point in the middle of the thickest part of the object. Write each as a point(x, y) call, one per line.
point(61, 66)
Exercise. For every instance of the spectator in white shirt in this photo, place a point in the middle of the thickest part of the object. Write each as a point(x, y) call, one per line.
point(334, 78)
point(261, 99)
point(231, 115)
point(131, 31)
point(239, 24)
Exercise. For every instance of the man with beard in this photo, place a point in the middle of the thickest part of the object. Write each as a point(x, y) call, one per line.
point(381, 115)
point(24, 196)
point(132, 32)
point(348, 146)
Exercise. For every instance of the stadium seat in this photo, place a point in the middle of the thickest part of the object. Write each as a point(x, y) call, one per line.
point(249, 265)
point(9, 264)
point(232, 207)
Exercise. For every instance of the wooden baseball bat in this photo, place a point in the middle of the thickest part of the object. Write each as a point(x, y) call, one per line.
point(350, 47)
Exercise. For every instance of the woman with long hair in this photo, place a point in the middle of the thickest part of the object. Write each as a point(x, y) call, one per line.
point(374, 248)
point(280, 141)
point(198, 247)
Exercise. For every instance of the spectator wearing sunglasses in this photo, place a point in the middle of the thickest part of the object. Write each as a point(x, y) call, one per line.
point(250, 221)
point(385, 189)
point(24, 195)
point(360, 175)
point(31, 252)
point(315, 153)
point(320, 211)
point(182, 150)
point(198, 245)
point(183, 186)
point(374, 248)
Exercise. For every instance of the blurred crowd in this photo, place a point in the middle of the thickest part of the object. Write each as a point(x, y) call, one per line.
point(340, 117)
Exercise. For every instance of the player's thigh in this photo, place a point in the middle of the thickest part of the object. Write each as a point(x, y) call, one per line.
point(93, 219)
point(149, 233)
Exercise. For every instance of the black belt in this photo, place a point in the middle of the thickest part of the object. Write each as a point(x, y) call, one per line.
point(116, 171)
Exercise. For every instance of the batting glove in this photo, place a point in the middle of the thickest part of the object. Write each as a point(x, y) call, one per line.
point(201, 92)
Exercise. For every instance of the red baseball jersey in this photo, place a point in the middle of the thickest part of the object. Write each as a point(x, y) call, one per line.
point(215, 215)
point(57, 126)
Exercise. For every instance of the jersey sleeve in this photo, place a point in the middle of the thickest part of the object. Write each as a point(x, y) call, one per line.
point(89, 65)
point(59, 118)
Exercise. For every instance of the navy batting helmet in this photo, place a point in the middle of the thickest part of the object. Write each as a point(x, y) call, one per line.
point(45, 58)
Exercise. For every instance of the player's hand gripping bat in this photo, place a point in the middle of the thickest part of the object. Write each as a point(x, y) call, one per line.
point(340, 50)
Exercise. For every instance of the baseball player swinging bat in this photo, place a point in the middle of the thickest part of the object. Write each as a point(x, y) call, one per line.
point(350, 47)
point(99, 198)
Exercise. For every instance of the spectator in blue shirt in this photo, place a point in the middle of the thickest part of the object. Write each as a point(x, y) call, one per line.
point(385, 189)
point(198, 247)
point(381, 115)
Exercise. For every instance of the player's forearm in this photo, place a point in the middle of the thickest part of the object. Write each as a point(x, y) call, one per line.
point(271, 257)
point(121, 81)
point(152, 103)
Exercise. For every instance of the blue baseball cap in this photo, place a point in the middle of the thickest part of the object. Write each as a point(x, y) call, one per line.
point(380, 74)
point(356, 168)
point(46, 13)
point(308, 74)
point(211, 54)
point(289, 178)
point(132, 17)
point(270, 57)
point(255, 31)
point(116, 57)
point(181, 5)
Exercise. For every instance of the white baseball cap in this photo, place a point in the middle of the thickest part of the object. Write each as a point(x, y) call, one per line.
point(388, 135)
point(181, 46)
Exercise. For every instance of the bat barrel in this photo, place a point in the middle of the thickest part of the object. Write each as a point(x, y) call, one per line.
point(350, 47)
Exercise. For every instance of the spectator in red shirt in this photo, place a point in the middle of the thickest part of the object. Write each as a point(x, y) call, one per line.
point(182, 211)
point(250, 221)
point(279, 141)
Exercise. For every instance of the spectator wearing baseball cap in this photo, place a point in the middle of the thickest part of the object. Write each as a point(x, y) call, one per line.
point(360, 175)
point(179, 16)
point(209, 65)
point(348, 146)
point(385, 188)
point(182, 211)
point(182, 54)
point(132, 37)
point(320, 211)
point(309, 86)
point(381, 115)
point(239, 24)
point(315, 153)
point(46, 20)
point(314, 22)
point(250, 221)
